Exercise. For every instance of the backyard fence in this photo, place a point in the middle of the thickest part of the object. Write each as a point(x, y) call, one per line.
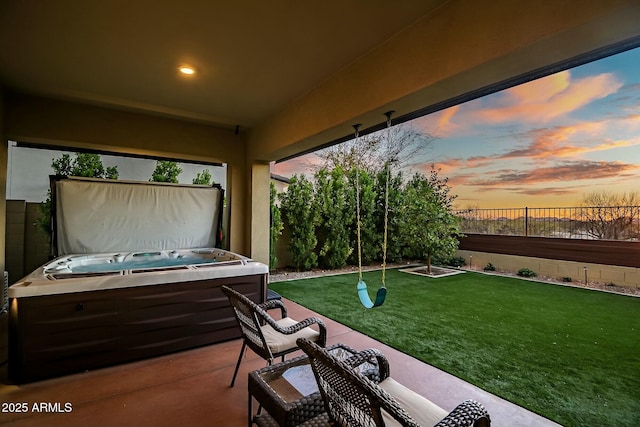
point(594, 222)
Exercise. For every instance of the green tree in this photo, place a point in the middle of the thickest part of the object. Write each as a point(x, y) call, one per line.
point(301, 216)
point(166, 171)
point(276, 226)
point(393, 148)
point(441, 189)
point(428, 226)
point(112, 172)
point(84, 164)
point(62, 166)
point(332, 196)
point(88, 165)
point(394, 241)
point(370, 240)
point(203, 178)
point(43, 221)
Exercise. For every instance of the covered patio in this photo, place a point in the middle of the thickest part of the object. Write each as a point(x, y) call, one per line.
point(191, 388)
point(272, 80)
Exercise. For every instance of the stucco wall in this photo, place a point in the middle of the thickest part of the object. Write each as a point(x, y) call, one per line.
point(621, 276)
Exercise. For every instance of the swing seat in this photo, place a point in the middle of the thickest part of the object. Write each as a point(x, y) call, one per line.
point(366, 300)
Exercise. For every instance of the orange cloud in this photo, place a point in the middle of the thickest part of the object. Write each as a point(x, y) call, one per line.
point(461, 180)
point(299, 165)
point(446, 166)
point(564, 172)
point(445, 124)
point(450, 167)
point(540, 90)
point(551, 97)
point(536, 101)
point(439, 124)
point(554, 142)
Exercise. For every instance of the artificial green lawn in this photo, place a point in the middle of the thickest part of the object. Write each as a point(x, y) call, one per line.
point(571, 355)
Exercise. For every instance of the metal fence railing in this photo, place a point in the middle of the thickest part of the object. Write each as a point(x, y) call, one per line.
point(595, 222)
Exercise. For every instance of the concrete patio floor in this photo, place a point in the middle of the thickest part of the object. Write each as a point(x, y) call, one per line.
point(191, 388)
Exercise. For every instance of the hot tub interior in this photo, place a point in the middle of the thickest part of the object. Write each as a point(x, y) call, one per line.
point(132, 262)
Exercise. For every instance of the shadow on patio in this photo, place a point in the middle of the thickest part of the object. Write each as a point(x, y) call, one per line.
point(191, 388)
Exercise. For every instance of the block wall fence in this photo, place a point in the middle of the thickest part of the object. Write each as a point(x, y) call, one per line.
point(606, 274)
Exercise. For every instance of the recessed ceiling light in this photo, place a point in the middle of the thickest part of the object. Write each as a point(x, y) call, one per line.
point(187, 70)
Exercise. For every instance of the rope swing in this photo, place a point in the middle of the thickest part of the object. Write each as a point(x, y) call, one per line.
point(362, 286)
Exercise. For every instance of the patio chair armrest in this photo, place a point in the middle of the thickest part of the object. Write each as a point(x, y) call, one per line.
point(274, 304)
point(373, 356)
point(467, 414)
point(392, 407)
point(322, 340)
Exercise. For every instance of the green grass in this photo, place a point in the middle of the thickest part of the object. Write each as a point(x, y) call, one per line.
point(571, 355)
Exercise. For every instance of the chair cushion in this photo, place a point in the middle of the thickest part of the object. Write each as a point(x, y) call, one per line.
point(421, 409)
point(278, 342)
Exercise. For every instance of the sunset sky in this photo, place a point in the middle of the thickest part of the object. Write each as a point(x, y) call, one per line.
point(540, 144)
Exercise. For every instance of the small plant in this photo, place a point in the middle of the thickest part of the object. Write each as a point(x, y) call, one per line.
point(456, 261)
point(567, 279)
point(525, 272)
point(489, 267)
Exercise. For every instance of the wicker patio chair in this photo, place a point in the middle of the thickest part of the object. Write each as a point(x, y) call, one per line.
point(267, 337)
point(352, 400)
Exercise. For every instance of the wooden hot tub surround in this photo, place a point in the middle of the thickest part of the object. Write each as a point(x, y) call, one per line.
point(54, 335)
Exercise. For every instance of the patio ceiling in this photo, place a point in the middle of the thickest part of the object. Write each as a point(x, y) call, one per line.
point(293, 76)
point(252, 58)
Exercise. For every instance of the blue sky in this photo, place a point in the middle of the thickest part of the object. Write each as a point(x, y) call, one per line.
point(545, 143)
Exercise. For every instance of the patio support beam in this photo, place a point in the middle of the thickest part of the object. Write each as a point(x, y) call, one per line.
point(3, 185)
point(260, 213)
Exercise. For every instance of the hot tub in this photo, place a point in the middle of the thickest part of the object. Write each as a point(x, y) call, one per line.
point(81, 312)
point(84, 273)
point(88, 308)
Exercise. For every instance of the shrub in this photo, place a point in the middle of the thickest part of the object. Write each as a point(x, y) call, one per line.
point(489, 267)
point(299, 212)
point(370, 238)
point(567, 279)
point(332, 194)
point(525, 272)
point(275, 229)
point(394, 240)
point(454, 261)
